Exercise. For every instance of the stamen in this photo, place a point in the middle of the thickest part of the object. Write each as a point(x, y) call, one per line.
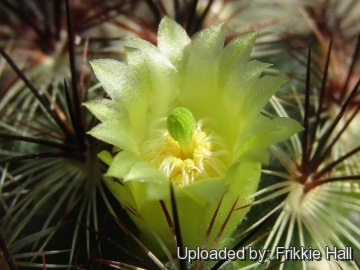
point(209, 159)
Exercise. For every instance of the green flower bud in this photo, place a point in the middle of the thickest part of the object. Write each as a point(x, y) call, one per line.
point(181, 126)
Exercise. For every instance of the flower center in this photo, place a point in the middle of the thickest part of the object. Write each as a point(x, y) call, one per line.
point(208, 157)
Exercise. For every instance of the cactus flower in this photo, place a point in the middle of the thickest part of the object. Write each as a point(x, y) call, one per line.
point(186, 112)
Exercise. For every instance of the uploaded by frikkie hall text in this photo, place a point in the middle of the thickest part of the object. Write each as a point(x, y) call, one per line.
point(261, 255)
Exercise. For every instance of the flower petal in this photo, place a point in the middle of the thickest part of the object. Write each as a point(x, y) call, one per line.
point(105, 157)
point(255, 154)
point(135, 58)
point(125, 85)
point(240, 87)
point(205, 191)
point(200, 78)
point(265, 88)
point(172, 40)
point(107, 109)
point(164, 79)
point(264, 132)
point(115, 132)
point(119, 80)
point(130, 167)
point(145, 181)
point(236, 52)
